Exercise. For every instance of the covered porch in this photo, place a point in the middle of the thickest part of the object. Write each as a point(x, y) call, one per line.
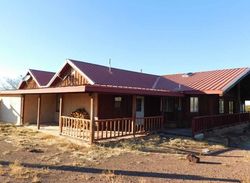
point(109, 114)
point(114, 116)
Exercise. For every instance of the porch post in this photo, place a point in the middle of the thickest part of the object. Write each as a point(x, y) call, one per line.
point(38, 112)
point(92, 132)
point(238, 98)
point(133, 114)
point(162, 113)
point(60, 113)
point(22, 110)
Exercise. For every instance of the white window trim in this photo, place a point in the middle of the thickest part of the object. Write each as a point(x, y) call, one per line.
point(194, 104)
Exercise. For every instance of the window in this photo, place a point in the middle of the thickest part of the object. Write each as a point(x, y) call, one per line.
point(221, 106)
point(138, 104)
point(118, 102)
point(194, 104)
point(231, 107)
point(168, 104)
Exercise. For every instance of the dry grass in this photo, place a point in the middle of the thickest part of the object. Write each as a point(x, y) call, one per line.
point(2, 170)
point(6, 152)
point(246, 180)
point(110, 176)
point(168, 145)
point(36, 179)
point(28, 140)
point(17, 171)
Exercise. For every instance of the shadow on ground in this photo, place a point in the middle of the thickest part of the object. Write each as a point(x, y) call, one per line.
point(124, 172)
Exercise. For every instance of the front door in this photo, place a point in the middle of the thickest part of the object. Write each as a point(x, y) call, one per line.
point(139, 109)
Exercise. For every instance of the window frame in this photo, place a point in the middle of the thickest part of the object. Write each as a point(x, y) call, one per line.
point(221, 106)
point(117, 102)
point(194, 104)
point(231, 107)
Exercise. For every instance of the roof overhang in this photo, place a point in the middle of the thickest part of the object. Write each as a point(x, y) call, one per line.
point(94, 88)
point(235, 81)
point(131, 90)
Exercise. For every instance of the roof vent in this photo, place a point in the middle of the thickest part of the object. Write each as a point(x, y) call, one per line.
point(26, 78)
point(110, 70)
point(187, 74)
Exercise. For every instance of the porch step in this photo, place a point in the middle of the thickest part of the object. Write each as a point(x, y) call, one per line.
point(183, 132)
point(170, 125)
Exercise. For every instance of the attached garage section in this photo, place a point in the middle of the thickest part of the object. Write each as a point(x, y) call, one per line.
point(10, 109)
point(48, 114)
point(30, 109)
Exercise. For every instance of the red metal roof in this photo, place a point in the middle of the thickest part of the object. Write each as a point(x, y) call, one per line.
point(102, 75)
point(105, 79)
point(210, 82)
point(42, 77)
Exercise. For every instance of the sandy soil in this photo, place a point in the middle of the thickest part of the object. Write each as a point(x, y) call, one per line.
point(29, 156)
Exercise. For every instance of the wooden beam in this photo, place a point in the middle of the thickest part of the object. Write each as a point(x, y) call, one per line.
point(22, 109)
point(238, 98)
point(92, 107)
point(133, 113)
point(38, 111)
point(60, 112)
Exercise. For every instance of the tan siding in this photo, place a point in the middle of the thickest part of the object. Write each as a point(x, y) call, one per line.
point(10, 109)
point(30, 109)
point(71, 102)
point(48, 108)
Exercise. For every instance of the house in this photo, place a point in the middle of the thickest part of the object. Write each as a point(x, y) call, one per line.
point(118, 102)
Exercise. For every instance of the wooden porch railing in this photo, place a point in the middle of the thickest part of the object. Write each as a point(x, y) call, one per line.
point(112, 128)
point(148, 124)
point(75, 127)
point(109, 128)
point(204, 123)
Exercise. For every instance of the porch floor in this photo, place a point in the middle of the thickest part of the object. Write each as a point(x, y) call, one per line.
point(185, 132)
point(51, 130)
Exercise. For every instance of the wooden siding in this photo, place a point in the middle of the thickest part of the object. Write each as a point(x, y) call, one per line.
point(30, 84)
point(152, 106)
point(106, 107)
point(208, 105)
point(70, 77)
point(30, 109)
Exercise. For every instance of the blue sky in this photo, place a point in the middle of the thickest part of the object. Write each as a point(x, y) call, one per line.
point(157, 36)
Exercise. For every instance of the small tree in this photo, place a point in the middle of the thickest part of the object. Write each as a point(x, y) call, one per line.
point(9, 83)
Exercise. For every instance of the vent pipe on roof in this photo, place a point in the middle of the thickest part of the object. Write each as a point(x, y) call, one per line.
point(187, 74)
point(110, 71)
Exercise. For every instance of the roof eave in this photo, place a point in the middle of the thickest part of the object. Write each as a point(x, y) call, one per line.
point(235, 81)
point(131, 90)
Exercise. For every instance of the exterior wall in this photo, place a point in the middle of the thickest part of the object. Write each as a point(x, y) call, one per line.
point(152, 106)
point(10, 109)
point(48, 109)
point(107, 110)
point(71, 102)
point(30, 84)
point(70, 77)
point(30, 109)
point(208, 105)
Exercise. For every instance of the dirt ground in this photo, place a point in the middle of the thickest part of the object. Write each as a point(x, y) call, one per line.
point(30, 156)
